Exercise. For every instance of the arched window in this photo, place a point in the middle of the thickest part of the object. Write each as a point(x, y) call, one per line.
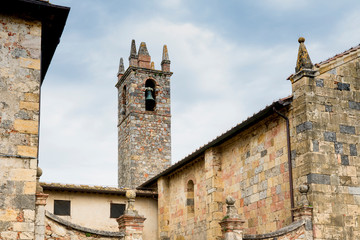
point(150, 101)
point(123, 100)
point(190, 198)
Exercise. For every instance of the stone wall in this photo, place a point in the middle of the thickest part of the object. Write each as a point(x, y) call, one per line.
point(144, 136)
point(20, 47)
point(325, 129)
point(57, 228)
point(252, 167)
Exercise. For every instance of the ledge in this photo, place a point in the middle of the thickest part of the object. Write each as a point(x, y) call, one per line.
point(293, 226)
point(82, 229)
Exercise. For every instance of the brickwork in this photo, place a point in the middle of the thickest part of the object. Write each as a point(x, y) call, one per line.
point(144, 136)
point(20, 47)
point(325, 119)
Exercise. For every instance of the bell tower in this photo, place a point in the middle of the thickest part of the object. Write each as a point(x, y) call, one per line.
point(144, 136)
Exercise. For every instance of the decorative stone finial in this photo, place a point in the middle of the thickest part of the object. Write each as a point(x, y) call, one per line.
point(165, 55)
point(152, 65)
point(39, 172)
point(304, 189)
point(165, 62)
point(303, 60)
point(121, 67)
point(130, 210)
point(143, 49)
point(231, 209)
point(133, 49)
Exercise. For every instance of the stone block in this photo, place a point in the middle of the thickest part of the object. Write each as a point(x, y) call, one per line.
point(343, 86)
point(347, 129)
point(353, 150)
point(24, 202)
point(330, 136)
point(30, 63)
point(8, 235)
point(26, 126)
point(328, 108)
point(338, 147)
point(23, 226)
point(32, 106)
point(29, 188)
point(318, 178)
point(354, 105)
point(319, 82)
point(344, 160)
point(27, 151)
point(32, 97)
point(23, 175)
point(304, 127)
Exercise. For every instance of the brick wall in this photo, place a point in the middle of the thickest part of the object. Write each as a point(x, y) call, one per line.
point(20, 47)
point(325, 120)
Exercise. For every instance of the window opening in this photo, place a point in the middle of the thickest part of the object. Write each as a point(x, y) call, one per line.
point(62, 207)
point(190, 197)
point(150, 101)
point(116, 210)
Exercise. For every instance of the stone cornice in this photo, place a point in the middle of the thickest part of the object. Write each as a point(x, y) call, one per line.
point(133, 68)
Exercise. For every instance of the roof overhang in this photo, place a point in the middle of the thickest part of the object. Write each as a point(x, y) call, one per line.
point(53, 18)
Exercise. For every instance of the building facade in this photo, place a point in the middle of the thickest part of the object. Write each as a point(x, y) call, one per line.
point(296, 159)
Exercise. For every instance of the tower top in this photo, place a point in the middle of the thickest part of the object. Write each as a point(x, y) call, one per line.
point(303, 59)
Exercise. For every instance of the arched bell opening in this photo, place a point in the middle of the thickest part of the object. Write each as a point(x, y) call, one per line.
point(150, 98)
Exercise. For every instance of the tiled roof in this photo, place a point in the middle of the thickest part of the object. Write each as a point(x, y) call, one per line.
point(353, 49)
point(93, 189)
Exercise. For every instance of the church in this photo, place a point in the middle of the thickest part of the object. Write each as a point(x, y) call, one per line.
point(290, 171)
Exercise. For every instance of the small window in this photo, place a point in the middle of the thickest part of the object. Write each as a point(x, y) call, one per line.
point(116, 210)
point(124, 100)
point(190, 198)
point(62, 207)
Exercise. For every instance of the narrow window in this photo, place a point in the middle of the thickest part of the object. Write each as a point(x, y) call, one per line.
point(123, 101)
point(190, 197)
point(150, 101)
point(116, 210)
point(62, 207)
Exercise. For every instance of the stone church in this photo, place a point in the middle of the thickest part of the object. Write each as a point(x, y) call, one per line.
point(290, 171)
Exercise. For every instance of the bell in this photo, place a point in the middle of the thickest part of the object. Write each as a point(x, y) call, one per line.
point(149, 96)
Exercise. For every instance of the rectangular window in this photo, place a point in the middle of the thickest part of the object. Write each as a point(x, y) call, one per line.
point(62, 207)
point(116, 210)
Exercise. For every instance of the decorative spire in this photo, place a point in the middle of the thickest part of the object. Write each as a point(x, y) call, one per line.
point(133, 49)
point(152, 65)
point(165, 55)
point(121, 67)
point(144, 59)
point(143, 50)
point(133, 57)
point(165, 63)
point(303, 60)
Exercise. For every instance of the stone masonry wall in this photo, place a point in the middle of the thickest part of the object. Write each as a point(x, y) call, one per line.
point(177, 220)
point(255, 172)
point(252, 167)
point(144, 136)
point(325, 129)
point(20, 47)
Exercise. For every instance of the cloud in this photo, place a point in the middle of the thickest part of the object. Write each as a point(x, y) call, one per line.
point(217, 83)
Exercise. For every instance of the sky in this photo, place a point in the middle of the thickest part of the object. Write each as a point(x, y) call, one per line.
point(230, 59)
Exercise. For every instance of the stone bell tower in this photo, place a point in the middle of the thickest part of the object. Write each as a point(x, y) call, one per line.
point(144, 135)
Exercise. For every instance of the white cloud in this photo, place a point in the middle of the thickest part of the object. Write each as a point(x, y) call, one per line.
point(217, 83)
